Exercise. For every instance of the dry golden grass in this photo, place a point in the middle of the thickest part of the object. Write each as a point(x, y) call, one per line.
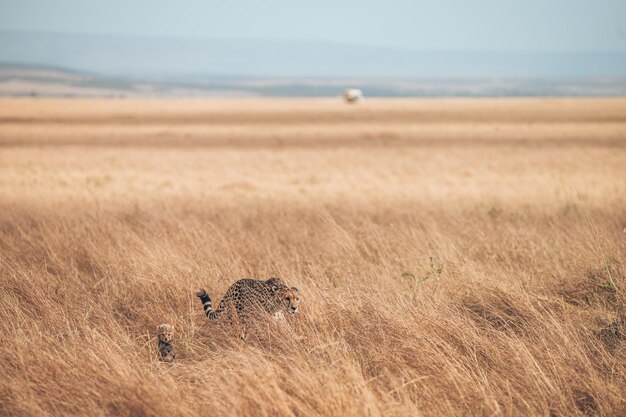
point(455, 257)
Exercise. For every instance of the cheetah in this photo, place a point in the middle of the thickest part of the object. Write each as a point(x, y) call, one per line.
point(165, 335)
point(247, 298)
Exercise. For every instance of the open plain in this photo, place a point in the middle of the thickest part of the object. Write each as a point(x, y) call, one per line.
point(454, 257)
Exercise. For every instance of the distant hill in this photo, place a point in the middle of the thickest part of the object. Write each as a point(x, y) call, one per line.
point(41, 80)
point(179, 57)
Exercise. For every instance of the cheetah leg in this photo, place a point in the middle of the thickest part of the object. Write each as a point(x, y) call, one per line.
point(229, 314)
point(237, 320)
point(242, 335)
point(243, 323)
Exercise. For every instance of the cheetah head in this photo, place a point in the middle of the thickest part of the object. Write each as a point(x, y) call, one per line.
point(165, 333)
point(290, 299)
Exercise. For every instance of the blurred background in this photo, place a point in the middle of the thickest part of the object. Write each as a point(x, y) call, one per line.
point(286, 48)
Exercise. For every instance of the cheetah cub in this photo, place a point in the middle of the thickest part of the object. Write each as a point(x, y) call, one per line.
point(248, 299)
point(165, 334)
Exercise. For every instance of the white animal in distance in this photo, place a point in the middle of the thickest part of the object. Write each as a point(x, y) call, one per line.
point(353, 95)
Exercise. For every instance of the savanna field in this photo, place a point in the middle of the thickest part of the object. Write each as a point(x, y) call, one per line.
point(454, 257)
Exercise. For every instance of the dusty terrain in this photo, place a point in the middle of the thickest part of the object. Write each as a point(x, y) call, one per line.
point(455, 257)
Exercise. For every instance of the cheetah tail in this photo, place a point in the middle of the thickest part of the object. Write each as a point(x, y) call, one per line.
point(206, 304)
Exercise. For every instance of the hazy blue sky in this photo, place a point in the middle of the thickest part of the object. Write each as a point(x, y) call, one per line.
point(541, 25)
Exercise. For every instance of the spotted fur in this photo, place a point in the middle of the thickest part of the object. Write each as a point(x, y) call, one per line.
point(249, 298)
